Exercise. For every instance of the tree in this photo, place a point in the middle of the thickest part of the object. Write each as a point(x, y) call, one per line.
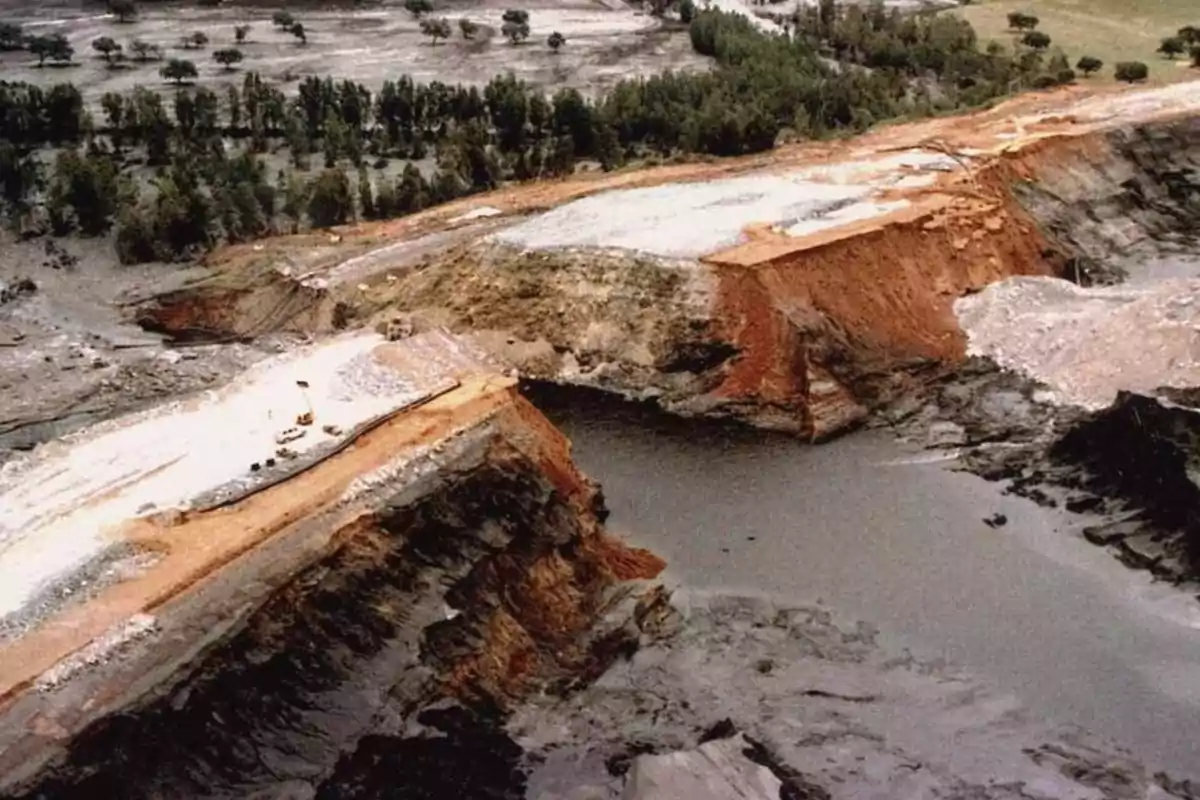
point(412, 192)
point(1020, 21)
point(283, 20)
point(194, 41)
point(12, 37)
point(1190, 34)
point(1195, 54)
point(1172, 47)
point(125, 10)
point(227, 57)
point(82, 194)
point(436, 28)
point(1088, 65)
point(233, 101)
point(366, 196)
point(516, 15)
point(179, 70)
point(298, 31)
point(467, 28)
point(516, 26)
point(556, 40)
point(114, 108)
point(240, 32)
point(53, 46)
point(687, 11)
point(144, 51)
point(182, 214)
point(106, 46)
point(20, 175)
point(418, 7)
point(1036, 39)
point(1131, 71)
point(330, 201)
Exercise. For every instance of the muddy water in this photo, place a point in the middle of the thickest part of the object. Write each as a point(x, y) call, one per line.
point(898, 539)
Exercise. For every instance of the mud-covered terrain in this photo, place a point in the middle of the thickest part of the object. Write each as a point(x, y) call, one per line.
point(1129, 467)
point(70, 353)
point(1096, 406)
point(813, 708)
point(369, 44)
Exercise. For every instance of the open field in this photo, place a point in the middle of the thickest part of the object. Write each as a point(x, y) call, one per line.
point(367, 44)
point(1111, 30)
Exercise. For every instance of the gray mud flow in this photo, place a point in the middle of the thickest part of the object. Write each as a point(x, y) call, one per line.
point(899, 539)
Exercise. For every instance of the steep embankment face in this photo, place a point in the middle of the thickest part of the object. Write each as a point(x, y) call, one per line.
point(1111, 365)
point(432, 541)
point(797, 291)
point(1112, 200)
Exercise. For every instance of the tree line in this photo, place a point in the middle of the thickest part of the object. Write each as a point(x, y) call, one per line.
point(837, 69)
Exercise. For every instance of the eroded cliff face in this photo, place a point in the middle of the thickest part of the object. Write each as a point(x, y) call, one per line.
point(484, 585)
point(1108, 200)
point(448, 551)
point(799, 292)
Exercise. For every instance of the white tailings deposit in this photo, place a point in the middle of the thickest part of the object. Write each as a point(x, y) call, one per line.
point(688, 220)
point(61, 506)
point(1088, 344)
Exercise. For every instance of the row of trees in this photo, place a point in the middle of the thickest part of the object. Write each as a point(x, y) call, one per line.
point(762, 85)
point(204, 197)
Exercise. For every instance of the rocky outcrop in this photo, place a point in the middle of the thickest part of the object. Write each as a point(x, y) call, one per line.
point(445, 548)
point(1139, 456)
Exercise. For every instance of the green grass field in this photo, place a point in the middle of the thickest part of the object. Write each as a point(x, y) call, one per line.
point(1111, 30)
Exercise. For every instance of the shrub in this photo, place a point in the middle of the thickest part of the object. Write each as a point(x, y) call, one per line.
point(1172, 47)
point(418, 7)
point(125, 10)
point(106, 46)
point(1036, 39)
point(1089, 64)
point(1020, 21)
point(330, 201)
point(436, 28)
point(227, 57)
point(179, 70)
point(12, 37)
point(194, 41)
point(1131, 71)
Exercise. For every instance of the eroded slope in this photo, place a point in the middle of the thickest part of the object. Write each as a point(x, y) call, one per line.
point(797, 291)
point(427, 536)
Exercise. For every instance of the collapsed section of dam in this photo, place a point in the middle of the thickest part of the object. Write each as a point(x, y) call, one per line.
point(227, 593)
point(369, 567)
point(797, 291)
